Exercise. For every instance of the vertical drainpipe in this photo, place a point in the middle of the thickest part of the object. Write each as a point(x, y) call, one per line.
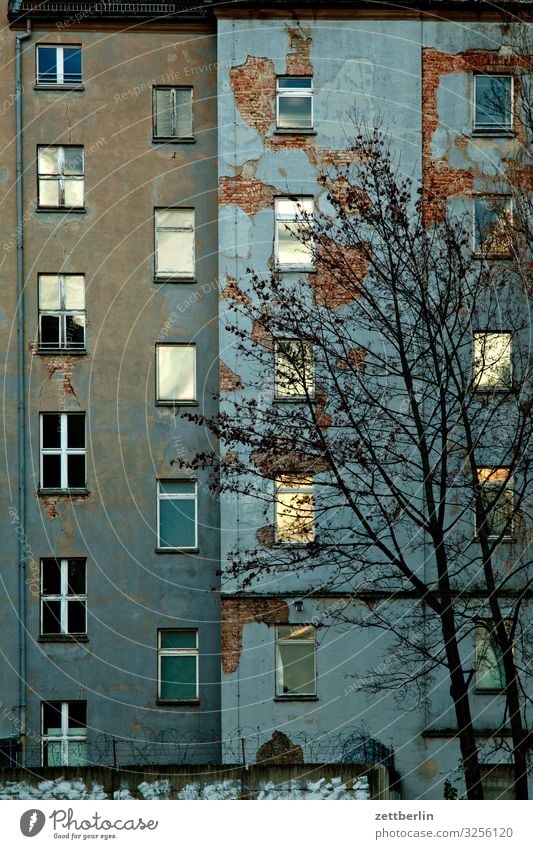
point(21, 397)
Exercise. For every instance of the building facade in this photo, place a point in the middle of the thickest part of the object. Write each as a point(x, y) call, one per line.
point(160, 150)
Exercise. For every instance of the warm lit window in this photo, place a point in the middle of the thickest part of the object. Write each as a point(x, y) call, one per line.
point(177, 657)
point(63, 596)
point(493, 218)
point(172, 113)
point(176, 373)
point(490, 673)
point(177, 511)
point(174, 243)
point(64, 733)
point(62, 312)
point(294, 247)
point(493, 103)
point(294, 369)
point(294, 509)
point(63, 452)
point(492, 360)
point(294, 103)
point(295, 661)
point(60, 177)
point(58, 64)
point(497, 499)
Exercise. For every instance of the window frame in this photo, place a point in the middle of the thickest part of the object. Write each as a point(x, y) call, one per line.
point(174, 137)
point(60, 177)
point(480, 130)
point(62, 313)
point(282, 488)
point(64, 738)
point(508, 488)
point(58, 83)
point(63, 451)
point(64, 598)
point(285, 217)
point(178, 652)
point(477, 374)
point(303, 93)
point(308, 378)
point(485, 627)
point(175, 276)
point(280, 696)
point(165, 402)
point(478, 248)
point(163, 496)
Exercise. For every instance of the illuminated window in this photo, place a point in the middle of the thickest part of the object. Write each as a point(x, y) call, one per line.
point(62, 312)
point(64, 733)
point(497, 498)
point(294, 509)
point(293, 245)
point(60, 177)
point(294, 369)
point(177, 657)
point(493, 218)
point(294, 103)
point(492, 360)
point(493, 109)
point(295, 661)
point(174, 243)
point(176, 374)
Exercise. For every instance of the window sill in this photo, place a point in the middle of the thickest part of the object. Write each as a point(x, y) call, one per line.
point(506, 133)
point(58, 87)
point(297, 399)
point(80, 210)
point(174, 140)
point(159, 280)
point(294, 698)
point(178, 702)
point(500, 257)
point(66, 493)
point(177, 550)
point(63, 638)
point(177, 404)
point(289, 131)
point(291, 545)
point(53, 352)
point(296, 269)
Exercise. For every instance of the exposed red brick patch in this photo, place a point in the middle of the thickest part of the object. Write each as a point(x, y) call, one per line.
point(254, 88)
point(276, 460)
point(50, 502)
point(229, 381)
point(340, 274)
point(299, 60)
point(279, 750)
point(351, 198)
point(323, 419)
point(238, 612)
point(64, 365)
point(233, 292)
point(247, 192)
point(262, 336)
point(441, 183)
point(355, 359)
point(266, 536)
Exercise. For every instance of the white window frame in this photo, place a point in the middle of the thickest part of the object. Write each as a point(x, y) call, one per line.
point(60, 177)
point(169, 496)
point(479, 371)
point(174, 274)
point(175, 402)
point(63, 451)
point(280, 217)
point(63, 598)
point(293, 488)
point(60, 80)
point(64, 738)
point(62, 313)
point(174, 134)
point(177, 652)
point(308, 377)
point(306, 93)
point(291, 641)
point(478, 249)
point(508, 488)
point(493, 130)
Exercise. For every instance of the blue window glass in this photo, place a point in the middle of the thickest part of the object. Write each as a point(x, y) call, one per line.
point(177, 514)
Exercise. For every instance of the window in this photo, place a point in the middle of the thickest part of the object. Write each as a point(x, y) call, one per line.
point(60, 177)
point(493, 103)
point(492, 360)
point(58, 64)
point(63, 597)
point(497, 781)
point(294, 509)
point(294, 369)
point(63, 451)
point(177, 665)
point(294, 103)
point(497, 498)
point(294, 246)
point(64, 733)
point(174, 243)
point(176, 520)
point(62, 312)
point(295, 661)
point(176, 374)
point(493, 218)
point(172, 112)
point(490, 674)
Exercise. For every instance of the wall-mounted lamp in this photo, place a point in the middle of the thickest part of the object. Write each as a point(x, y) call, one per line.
point(298, 605)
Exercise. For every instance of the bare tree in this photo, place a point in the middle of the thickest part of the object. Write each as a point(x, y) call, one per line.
point(391, 441)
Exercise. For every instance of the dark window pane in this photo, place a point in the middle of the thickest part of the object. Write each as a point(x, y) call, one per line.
point(76, 577)
point(51, 717)
point(51, 576)
point(77, 715)
point(76, 617)
point(178, 677)
point(51, 471)
point(75, 331)
point(50, 325)
point(76, 470)
point(47, 64)
point(76, 432)
point(51, 623)
point(51, 430)
point(178, 639)
point(72, 64)
point(493, 103)
point(177, 520)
